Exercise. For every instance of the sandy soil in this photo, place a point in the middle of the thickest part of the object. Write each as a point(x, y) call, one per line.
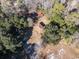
point(62, 51)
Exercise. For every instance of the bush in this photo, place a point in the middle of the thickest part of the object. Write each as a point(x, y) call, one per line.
point(58, 28)
point(12, 31)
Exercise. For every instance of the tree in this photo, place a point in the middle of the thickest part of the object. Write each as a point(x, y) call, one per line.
point(12, 31)
point(58, 28)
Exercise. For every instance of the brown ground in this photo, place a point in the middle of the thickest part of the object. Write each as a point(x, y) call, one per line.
point(37, 30)
point(62, 50)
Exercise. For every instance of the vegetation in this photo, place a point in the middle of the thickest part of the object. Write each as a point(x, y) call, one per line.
point(58, 28)
point(16, 16)
point(12, 30)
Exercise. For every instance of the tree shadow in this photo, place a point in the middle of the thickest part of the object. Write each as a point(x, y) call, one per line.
point(21, 35)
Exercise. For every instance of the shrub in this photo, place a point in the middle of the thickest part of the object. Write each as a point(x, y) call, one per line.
point(58, 28)
point(12, 31)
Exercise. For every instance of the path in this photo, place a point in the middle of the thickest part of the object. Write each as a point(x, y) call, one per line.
point(61, 51)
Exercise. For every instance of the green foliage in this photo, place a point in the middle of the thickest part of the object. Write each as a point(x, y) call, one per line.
point(58, 7)
point(58, 28)
point(11, 33)
point(73, 15)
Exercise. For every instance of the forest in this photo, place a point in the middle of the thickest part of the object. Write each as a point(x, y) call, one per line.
point(29, 28)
